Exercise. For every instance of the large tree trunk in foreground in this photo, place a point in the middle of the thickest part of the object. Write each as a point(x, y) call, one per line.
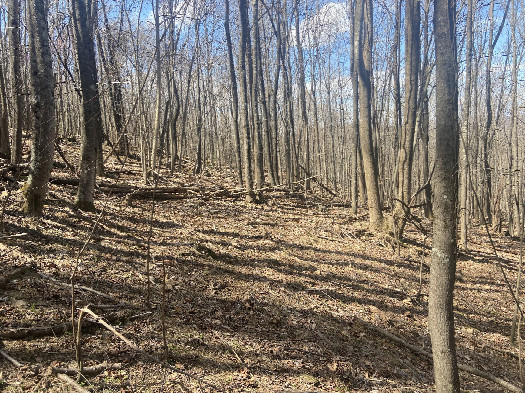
point(43, 107)
point(443, 265)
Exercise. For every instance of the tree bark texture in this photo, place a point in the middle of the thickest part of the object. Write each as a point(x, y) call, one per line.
point(443, 265)
point(43, 107)
point(364, 23)
point(17, 80)
point(92, 131)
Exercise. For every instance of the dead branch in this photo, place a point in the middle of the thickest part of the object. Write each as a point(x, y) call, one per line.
point(86, 289)
point(136, 348)
point(52, 330)
point(87, 371)
point(15, 362)
point(72, 383)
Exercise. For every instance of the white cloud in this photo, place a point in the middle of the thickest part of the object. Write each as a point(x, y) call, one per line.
point(324, 26)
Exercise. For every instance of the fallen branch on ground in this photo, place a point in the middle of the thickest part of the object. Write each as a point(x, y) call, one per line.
point(87, 371)
point(11, 360)
point(86, 289)
point(72, 383)
point(53, 330)
point(136, 348)
point(420, 351)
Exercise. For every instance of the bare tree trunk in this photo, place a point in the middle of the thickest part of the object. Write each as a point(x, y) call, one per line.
point(364, 23)
point(248, 172)
point(5, 146)
point(43, 107)
point(84, 19)
point(514, 189)
point(424, 111)
point(443, 265)
point(302, 97)
point(406, 152)
point(235, 96)
point(464, 136)
point(158, 78)
point(17, 81)
point(254, 60)
point(354, 139)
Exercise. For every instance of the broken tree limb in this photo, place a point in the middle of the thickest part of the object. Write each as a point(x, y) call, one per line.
point(72, 383)
point(86, 289)
point(87, 371)
point(11, 360)
point(420, 351)
point(136, 348)
point(52, 330)
point(315, 179)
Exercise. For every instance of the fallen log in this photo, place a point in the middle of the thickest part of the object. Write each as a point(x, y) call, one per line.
point(52, 330)
point(87, 371)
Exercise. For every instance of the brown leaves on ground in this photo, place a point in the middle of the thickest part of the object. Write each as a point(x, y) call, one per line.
point(259, 298)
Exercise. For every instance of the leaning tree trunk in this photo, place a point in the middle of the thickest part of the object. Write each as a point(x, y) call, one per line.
point(443, 265)
point(43, 107)
point(83, 20)
point(364, 23)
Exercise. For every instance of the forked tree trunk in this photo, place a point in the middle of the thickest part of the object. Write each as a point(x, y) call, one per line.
point(443, 264)
point(43, 107)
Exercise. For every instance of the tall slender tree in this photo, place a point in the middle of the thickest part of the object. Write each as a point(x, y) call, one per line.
point(84, 18)
point(234, 93)
point(43, 107)
point(15, 57)
point(406, 151)
point(464, 136)
point(245, 99)
point(443, 264)
point(363, 18)
point(5, 145)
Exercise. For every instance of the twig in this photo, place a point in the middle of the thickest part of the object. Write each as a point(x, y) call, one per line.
point(146, 354)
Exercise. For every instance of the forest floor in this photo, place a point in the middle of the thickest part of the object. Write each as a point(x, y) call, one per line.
point(279, 297)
